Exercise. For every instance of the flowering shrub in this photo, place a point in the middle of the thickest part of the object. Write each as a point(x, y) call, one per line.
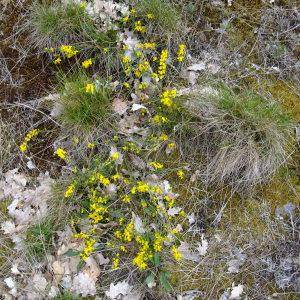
point(141, 220)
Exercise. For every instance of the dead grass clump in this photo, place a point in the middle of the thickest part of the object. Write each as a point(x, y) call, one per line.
point(244, 137)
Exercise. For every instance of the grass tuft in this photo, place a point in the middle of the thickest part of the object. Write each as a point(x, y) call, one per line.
point(82, 107)
point(244, 137)
point(55, 24)
point(165, 14)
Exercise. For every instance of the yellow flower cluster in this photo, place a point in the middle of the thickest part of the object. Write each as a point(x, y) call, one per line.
point(167, 97)
point(88, 249)
point(146, 46)
point(158, 240)
point(128, 232)
point(69, 190)
point(141, 68)
point(162, 68)
point(176, 253)
point(115, 262)
point(159, 119)
point(156, 165)
point(131, 147)
point(61, 153)
point(163, 137)
point(144, 254)
point(90, 88)
point(139, 27)
point(89, 243)
point(181, 52)
point(68, 51)
point(103, 180)
point(143, 86)
point(57, 61)
point(150, 16)
point(170, 201)
point(91, 146)
point(115, 155)
point(29, 136)
point(180, 174)
point(126, 64)
point(97, 212)
point(87, 63)
point(140, 187)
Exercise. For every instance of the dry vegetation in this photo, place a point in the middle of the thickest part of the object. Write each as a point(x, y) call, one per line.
point(149, 149)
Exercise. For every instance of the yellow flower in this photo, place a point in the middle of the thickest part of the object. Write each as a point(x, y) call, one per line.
point(181, 52)
point(159, 120)
point(83, 5)
point(144, 204)
point(133, 12)
point(126, 199)
point(125, 59)
point(140, 187)
point(163, 137)
point(167, 97)
point(126, 85)
point(169, 201)
point(162, 69)
point(118, 234)
point(123, 249)
point(125, 19)
point(180, 174)
point(88, 62)
point(31, 134)
point(57, 61)
point(146, 46)
point(116, 177)
point(68, 51)
point(23, 147)
point(142, 86)
point(158, 240)
point(176, 254)
point(171, 145)
point(115, 263)
point(156, 165)
point(139, 27)
point(69, 191)
point(150, 16)
point(91, 145)
point(106, 50)
point(143, 255)
point(182, 213)
point(115, 155)
point(90, 88)
point(103, 180)
point(61, 153)
point(128, 232)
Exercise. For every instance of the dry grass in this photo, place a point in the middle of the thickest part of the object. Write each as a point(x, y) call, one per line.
point(244, 137)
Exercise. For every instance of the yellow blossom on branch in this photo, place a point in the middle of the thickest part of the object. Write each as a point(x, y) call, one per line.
point(181, 52)
point(90, 88)
point(61, 153)
point(68, 51)
point(69, 191)
point(87, 63)
point(176, 253)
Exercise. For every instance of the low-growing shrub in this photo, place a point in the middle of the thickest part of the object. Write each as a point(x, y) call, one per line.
point(130, 214)
point(244, 137)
